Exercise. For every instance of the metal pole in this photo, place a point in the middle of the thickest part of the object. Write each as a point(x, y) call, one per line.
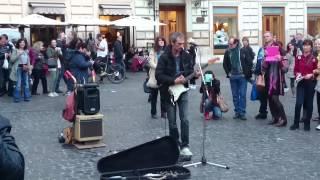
point(154, 18)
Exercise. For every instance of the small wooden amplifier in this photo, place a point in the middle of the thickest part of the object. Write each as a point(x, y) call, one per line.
point(88, 127)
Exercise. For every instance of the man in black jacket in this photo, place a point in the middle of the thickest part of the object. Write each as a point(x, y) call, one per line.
point(11, 159)
point(118, 51)
point(237, 64)
point(173, 66)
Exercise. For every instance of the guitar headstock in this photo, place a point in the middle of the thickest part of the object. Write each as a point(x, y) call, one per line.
point(213, 60)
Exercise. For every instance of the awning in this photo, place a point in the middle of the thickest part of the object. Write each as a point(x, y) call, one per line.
point(47, 8)
point(116, 9)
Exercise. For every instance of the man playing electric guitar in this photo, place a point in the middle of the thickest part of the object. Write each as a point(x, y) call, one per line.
point(171, 63)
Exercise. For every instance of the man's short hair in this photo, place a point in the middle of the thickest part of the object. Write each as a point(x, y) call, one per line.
point(5, 36)
point(175, 35)
point(99, 35)
point(268, 32)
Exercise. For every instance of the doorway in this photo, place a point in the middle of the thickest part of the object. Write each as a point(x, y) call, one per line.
point(174, 17)
point(110, 32)
point(273, 21)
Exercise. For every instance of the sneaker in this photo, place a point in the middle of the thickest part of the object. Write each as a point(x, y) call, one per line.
point(103, 74)
point(59, 91)
point(236, 116)
point(318, 128)
point(243, 117)
point(51, 95)
point(68, 93)
point(286, 90)
point(207, 116)
point(185, 152)
point(55, 94)
point(193, 87)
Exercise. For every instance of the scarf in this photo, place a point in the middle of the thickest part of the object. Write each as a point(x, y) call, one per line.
point(235, 61)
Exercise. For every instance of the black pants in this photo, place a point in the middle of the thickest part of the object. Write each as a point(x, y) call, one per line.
point(263, 98)
point(318, 103)
point(276, 108)
point(153, 98)
point(37, 75)
point(5, 79)
point(292, 83)
point(305, 94)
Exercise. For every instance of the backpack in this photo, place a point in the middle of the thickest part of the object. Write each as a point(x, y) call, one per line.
point(69, 112)
point(11, 159)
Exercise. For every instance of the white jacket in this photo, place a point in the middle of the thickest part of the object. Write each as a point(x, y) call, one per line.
point(152, 82)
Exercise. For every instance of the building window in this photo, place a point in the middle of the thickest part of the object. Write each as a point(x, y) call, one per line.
point(273, 21)
point(225, 25)
point(314, 23)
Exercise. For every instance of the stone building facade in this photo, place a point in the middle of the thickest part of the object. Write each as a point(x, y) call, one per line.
point(209, 22)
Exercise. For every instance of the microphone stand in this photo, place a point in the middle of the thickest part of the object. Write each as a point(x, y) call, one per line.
point(204, 161)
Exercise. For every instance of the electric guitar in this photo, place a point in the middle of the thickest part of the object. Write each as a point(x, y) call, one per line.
point(176, 90)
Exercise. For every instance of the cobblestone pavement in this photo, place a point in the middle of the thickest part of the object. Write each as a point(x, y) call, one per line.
point(253, 149)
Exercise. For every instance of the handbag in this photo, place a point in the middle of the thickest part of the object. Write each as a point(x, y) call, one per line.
point(5, 64)
point(254, 92)
point(260, 82)
point(146, 89)
point(52, 63)
point(222, 104)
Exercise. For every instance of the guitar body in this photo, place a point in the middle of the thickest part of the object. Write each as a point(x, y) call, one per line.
point(176, 90)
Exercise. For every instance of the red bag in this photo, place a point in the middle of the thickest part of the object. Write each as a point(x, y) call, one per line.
point(69, 112)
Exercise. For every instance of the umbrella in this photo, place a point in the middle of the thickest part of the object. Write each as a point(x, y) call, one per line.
point(135, 21)
point(90, 21)
point(36, 19)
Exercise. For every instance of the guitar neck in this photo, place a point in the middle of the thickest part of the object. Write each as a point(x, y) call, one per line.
point(194, 73)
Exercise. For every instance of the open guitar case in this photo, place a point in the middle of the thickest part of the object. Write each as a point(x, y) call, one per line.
point(156, 160)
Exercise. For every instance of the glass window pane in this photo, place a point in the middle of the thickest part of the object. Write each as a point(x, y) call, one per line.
point(225, 10)
point(314, 11)
point(224, 27)
point(314, 26)
point(273, 11)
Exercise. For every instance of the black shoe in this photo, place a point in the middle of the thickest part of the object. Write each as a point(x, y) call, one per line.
point(306, 127)
point(274, 121)
point(163, 115)
point(236, 116)
point(35, 94)
point(243, 117)
point(294, 126)
point(316, 119)
point(153, 116)
point(59, 91)
point(261, 116)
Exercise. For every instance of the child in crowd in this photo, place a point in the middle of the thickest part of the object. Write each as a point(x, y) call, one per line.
point(213, 86)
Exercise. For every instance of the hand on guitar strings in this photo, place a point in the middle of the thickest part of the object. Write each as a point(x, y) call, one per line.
point(180, 80)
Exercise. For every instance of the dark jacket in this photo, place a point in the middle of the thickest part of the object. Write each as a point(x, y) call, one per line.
point(118, 50)
point(166, 68)
point(213, 90)
point(79, 65)
point(11, 159)
point(246, 59)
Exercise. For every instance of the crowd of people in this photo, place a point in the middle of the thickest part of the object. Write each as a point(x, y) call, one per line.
point(22, 66)
point(298, 61)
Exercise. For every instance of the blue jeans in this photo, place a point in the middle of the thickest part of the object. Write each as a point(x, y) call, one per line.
point(182, 103)
point(217, 114)
point(22, 82)
point(239, 91)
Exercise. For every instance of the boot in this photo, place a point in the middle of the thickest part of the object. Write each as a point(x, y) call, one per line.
point(281, 123)
point(306, 126)
point(294, 126)
point(274, 121)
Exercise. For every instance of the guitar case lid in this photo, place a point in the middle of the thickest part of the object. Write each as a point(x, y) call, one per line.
point(157, 153)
